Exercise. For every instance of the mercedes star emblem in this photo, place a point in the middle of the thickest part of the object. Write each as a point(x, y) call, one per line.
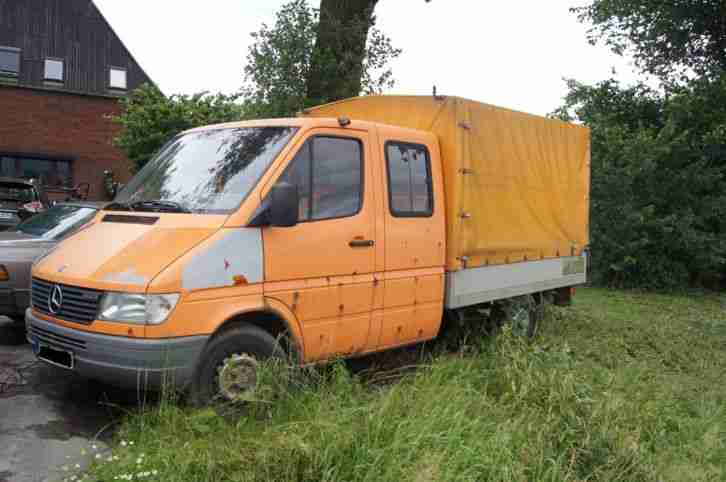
point(55, 299)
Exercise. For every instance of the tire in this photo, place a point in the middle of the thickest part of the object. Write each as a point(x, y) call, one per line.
point(524, 314)
point(245, 343)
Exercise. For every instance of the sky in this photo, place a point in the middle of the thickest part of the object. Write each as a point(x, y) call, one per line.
point(512, 53)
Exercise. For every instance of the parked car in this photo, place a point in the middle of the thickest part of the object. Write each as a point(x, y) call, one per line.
point(30, 239)
point(19, 199)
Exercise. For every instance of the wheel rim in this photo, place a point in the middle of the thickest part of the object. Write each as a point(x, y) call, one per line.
point(237, 376)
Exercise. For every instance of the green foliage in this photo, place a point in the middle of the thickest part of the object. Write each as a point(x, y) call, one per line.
point(280, 62)
point(150, 119)
point(667, 38)
point(658, 202)
point(620, 387)
point(659, 156)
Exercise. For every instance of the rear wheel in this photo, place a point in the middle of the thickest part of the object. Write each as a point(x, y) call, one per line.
point(524, 313)
point(228, 368)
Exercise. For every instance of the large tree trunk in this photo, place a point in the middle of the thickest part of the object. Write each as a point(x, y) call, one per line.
point(337, 62)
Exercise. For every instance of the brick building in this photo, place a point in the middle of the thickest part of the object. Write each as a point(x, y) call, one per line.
point(62, 72)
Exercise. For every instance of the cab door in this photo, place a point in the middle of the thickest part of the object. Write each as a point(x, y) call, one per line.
point(323, 267)
point(413, 278)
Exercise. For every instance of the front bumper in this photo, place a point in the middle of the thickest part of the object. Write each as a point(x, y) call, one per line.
point(14, 302)
point(121, 361)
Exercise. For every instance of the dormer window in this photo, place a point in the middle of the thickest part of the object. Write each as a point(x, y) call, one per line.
point(54, 70)
point(9, 61)
point(117, 78)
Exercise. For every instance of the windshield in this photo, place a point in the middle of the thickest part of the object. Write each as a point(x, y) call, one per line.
point(210, 171)
point(17, 192)
point(57, 222)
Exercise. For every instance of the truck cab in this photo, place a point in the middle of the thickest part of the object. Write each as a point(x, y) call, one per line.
point(193, 250)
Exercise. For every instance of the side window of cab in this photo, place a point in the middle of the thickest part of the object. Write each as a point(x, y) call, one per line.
point(328, 173)
point(410, 184)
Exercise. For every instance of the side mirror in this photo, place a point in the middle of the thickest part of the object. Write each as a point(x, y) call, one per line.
point(284, 205)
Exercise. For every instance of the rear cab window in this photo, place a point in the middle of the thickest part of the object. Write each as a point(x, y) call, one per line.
point(410, 187)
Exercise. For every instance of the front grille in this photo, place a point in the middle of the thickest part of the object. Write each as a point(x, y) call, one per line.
point(56, 339)
point(80, 305)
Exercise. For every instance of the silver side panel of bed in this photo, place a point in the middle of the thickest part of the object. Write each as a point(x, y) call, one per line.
point(490, 283)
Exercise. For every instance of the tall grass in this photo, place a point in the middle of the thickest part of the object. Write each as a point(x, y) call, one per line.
point(622, 386)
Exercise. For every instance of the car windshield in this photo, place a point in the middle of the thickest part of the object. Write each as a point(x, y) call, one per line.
point(57, 222)
point(17, 192)
point(209, 171)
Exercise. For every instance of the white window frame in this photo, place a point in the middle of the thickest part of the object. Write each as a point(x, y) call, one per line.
point(8, 73)
point(62, 69)
point(111, 71)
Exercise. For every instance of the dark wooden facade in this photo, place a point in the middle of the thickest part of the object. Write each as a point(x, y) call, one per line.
point(74, 31)
point(59, 131)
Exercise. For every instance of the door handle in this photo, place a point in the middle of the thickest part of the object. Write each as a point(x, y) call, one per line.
point(361, 243)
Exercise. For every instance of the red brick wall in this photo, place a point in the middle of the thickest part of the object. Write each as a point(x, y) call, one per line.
point(36, 123)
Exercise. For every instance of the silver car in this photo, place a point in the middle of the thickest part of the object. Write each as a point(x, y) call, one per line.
point(30, 239)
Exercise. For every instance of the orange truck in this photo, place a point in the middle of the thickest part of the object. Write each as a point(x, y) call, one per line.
point(351, 229)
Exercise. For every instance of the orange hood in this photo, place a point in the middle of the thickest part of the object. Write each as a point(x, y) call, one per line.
point(127, 253)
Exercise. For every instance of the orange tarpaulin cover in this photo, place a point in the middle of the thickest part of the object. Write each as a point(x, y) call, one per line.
point(517, 185)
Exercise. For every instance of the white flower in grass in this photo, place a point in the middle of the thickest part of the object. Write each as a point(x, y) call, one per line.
point(78, 466)
point(98, 456)
point(123, 443)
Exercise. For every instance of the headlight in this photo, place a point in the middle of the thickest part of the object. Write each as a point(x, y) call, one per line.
point(137, 309)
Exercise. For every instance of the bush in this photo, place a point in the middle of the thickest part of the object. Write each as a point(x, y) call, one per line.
point(658, 169)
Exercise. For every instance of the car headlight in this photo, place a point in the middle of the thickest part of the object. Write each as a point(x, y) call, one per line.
point(137, 309)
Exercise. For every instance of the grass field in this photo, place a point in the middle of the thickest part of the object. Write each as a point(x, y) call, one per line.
point(621, 386)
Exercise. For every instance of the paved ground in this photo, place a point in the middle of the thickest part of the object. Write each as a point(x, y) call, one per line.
point(47, 416)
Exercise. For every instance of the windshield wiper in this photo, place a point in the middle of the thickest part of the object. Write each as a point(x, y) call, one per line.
point(160, 206)
point(119, 206)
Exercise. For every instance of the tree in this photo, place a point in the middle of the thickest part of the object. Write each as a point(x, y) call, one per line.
point(658, 201)
point(337, 66)
point(279, 63)
point(150, 119)
point(284, 58)
point(670, 39)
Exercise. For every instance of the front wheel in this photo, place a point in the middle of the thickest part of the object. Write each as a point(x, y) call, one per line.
point(228, 369)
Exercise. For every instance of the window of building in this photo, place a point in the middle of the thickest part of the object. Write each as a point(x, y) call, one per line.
point(117, 78)
point(49, 172)
point(9, 61)
point(409, 180)
point(328, 172)
point(54, 70)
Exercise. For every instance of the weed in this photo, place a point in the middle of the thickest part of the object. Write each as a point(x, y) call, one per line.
point(622, 386)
